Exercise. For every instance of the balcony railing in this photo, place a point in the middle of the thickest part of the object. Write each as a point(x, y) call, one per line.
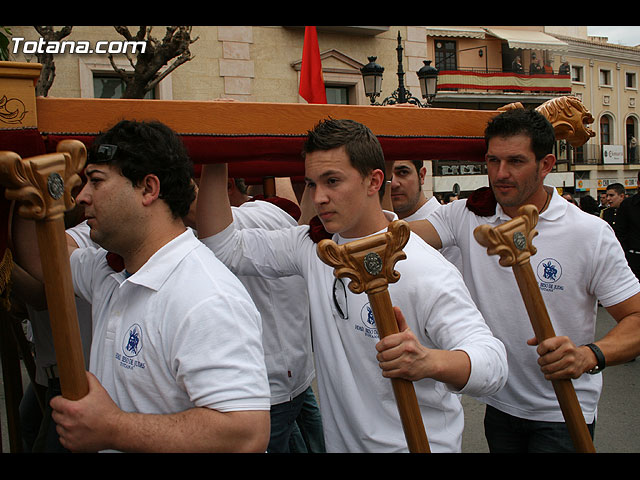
point(594, 154)
point(485, 80)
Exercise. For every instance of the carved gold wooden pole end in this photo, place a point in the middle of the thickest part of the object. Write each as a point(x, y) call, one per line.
point(42, 185)
point(568, 116)
point(368, 262)
point(42, 188)
point(513, 240)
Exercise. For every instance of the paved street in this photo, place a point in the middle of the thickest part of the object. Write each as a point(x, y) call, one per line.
point(618, 418)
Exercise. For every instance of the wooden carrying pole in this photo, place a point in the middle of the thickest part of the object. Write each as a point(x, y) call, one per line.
point(41, 187)
point(512, 241)
point(369, 263)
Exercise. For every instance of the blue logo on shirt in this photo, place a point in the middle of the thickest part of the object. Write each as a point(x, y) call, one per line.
point(549, 272)
point(132, 341)
point(369, 322)
point(366, 315)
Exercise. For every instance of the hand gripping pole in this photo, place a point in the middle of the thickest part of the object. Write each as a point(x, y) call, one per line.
point(369, 263)
point(512, 241)
point(41, 187)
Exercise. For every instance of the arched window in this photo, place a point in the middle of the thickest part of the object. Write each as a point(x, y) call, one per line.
point(631, 131)
point(605, 130)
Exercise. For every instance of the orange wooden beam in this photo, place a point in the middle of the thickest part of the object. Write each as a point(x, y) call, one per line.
point(79, 115)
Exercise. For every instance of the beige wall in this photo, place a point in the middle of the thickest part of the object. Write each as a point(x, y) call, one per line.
point(261, 64)
point(251, 63)
point(616, 100)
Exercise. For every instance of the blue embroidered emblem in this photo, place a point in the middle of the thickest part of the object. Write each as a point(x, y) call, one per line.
point(366, 315)
point(549, 272)
point(132, 341)
point(368, 320)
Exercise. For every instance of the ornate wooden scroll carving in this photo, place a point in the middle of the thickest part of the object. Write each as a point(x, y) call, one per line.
point(569, 117)
point(512, 241)
point(41, 187)
point(369, 263)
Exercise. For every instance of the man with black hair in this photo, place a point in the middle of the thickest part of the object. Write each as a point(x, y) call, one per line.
point(628, 230)
point(615, 195)
point(177, 363)
point(409, 201)
point(578, 262)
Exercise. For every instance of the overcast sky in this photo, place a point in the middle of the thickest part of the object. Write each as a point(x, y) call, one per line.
point(620, 35)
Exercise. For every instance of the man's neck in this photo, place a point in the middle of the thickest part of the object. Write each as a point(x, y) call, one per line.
point(155, 238)
point(541, 199)
point(372, 224)
point(238, 199)
point(413, 210)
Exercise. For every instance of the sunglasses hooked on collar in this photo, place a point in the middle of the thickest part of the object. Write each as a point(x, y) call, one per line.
point(340, 298)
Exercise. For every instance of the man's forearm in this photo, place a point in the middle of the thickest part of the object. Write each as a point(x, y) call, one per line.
point(622, 342)
point(196, 430)
point(452, 367)
point(213, 211)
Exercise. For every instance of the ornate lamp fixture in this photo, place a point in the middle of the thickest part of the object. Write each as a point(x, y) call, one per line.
point(372, 77)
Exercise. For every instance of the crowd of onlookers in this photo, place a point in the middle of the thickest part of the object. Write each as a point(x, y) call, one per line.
point(537, 68)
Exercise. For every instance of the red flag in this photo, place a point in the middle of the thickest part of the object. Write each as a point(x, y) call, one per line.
point(311, 81)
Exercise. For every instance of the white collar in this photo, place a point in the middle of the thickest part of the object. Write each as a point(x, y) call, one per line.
point(556, 208)
point(337, 238)
point(161, 264)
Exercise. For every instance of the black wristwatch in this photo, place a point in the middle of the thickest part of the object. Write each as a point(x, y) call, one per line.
point(599, 356)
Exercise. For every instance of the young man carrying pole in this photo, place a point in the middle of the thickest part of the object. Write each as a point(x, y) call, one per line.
point(450, 348)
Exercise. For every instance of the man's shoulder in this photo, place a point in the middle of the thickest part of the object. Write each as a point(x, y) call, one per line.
point(276, 204)
point(575, 223)
point(261, 214)
point(631, 202)
point(201, 274)
point(422, 258)
point(608, 212)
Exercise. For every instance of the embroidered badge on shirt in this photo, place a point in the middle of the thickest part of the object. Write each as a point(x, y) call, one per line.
point(131, 348)
point(549, 272)
point(368, 326)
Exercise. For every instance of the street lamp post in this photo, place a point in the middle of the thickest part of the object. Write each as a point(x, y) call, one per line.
point(372, 77)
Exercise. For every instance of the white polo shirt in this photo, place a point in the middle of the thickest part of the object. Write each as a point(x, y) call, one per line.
point(359, 412)
point(283, 304)
point(181, 332)
point(578, 261)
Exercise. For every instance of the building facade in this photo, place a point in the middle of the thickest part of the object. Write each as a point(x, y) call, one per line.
point(477, 70)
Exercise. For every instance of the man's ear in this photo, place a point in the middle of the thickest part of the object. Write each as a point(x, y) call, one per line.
point(546, 164)
point(377, 179)
point(421, 174)
point(150, 189)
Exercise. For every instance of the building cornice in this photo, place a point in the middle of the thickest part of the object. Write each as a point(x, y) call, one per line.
point(601, 51)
